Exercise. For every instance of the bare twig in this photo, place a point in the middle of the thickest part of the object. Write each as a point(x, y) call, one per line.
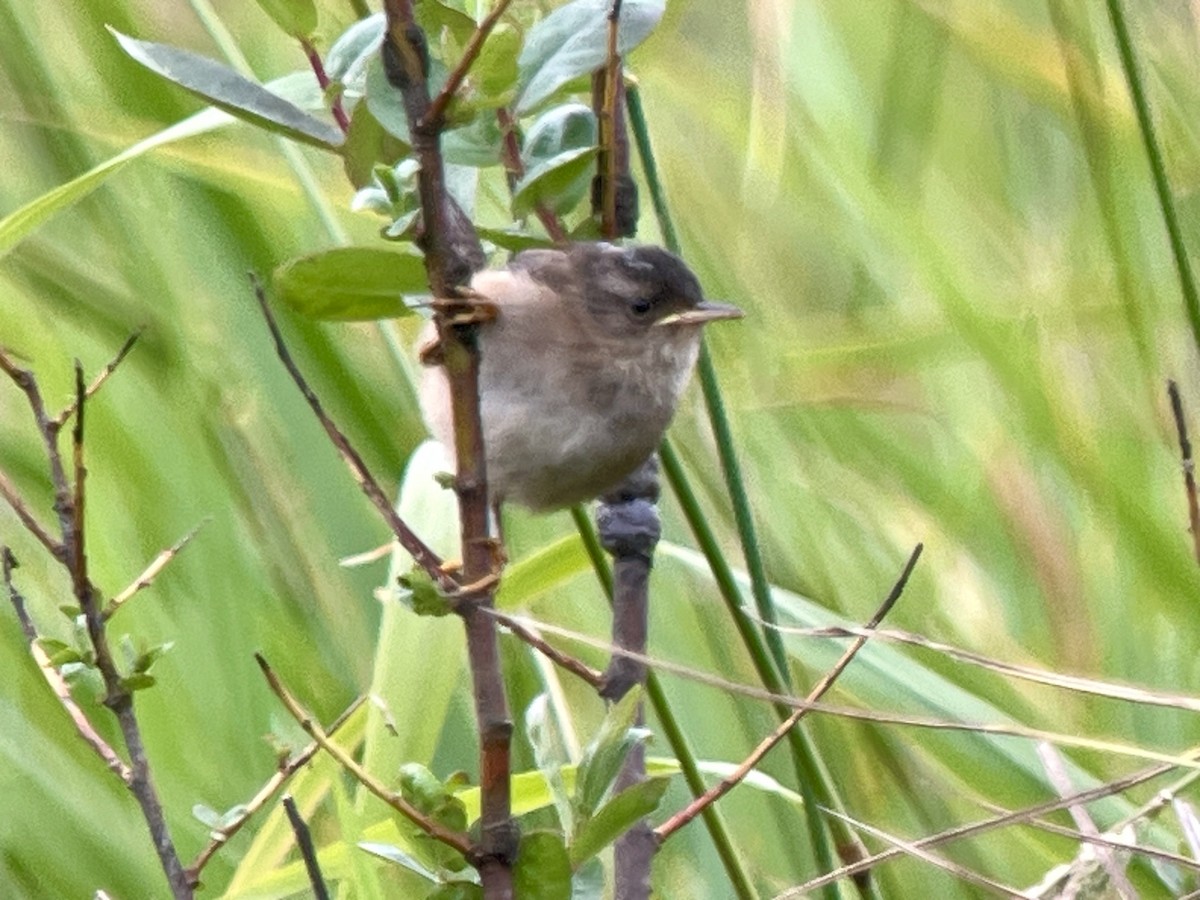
point(915, 850)
point(609, 126)
point(32, 525)
point(1189, 466)
point(61, 419)
point(54, 678)
point(982, 827)
point(420, 551)
point(307, 851)
point(694, 808)
point(151, 572)
point(435, 830)
point(435, 115)
point(287, 768)
point(563, 660)
point(318, 67)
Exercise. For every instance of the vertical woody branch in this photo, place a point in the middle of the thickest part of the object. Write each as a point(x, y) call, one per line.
point(627, 519)
point(452, 254)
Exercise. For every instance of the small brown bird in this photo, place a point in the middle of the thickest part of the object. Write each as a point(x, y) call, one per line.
point(581, 367)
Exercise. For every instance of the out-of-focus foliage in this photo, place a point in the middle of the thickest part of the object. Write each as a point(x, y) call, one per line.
point(962, 310)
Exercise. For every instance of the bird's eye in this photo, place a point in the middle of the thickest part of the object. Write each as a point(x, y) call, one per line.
point(640, 306)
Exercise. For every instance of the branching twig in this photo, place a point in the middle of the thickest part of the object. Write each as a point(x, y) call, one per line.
point(307, 851)
point(54, 678)
point(435, 830)
point(61, 419)
point(151, 572)
point(563, 660)
point(420, 551)
point(435, 115)
point(694, 808)
point(32, 525)
point(287, 768)
point(1189, 466)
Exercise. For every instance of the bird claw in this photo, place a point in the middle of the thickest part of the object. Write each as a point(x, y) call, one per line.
point(478, 588)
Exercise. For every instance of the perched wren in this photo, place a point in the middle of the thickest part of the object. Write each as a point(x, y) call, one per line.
point(581, 367)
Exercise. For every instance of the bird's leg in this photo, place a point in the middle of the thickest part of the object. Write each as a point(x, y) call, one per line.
point(499, 554)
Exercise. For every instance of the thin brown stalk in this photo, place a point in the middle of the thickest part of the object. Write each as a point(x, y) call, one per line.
point(32, 525)
point(914, 850)
point(563, 660)
point(608, 119)
point(1189, 466)
point(54, 678)
point(287, 768)
point(151, 572)
point(452, 254)
point(420, 551)
point(435, 830)
point(318, 66)
point(510, 151)
point(61, 419)
point(727, 784)
point(435, 115)
point(984, 826)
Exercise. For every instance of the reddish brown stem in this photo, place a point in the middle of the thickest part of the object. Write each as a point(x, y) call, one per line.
point(318, 67)
point(435, 115)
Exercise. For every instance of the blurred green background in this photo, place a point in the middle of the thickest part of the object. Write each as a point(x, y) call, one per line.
point(961, 313)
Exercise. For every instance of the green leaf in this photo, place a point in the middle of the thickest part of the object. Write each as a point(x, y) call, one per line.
point(550, 754)
point(555, 182)
point(433, 16)
point(426, 792)
point(350, 54)
point(423, 595)
point(207, 816)
point(296, 17)
point(474, 144)
point(385, 102)
point(227, 90)
point(369, 144)
point(516, 241)
point(456, 890)
point(616, 817)
point(547, 567)
point(59, 652)
point(604, 756)
point(494, 75)
point(350, 283)
point(563, 127)
point(148, 658)
point(394, 854)
point(573, 41)
point(138, 682)
point(543, 869)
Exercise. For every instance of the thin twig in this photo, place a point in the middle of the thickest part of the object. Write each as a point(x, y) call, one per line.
point(418, 549)
point(323, 82)
point(564, 661)
point(510, 152)
point(61, 419)
point(287, 768)
point(1189, 466)
point(984, 826)
point(54, 678)
point(435, 830)
point(151, 572)
point(32, 525)
point(612, 75)
point(913, 849)
point(435, 115)
point(727, 784)
point(307, 851)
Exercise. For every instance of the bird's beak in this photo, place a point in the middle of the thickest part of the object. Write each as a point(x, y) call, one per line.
point(702, 313)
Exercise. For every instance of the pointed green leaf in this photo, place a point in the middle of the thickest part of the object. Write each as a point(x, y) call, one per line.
point(396, 855)
point(616, 817)
point(227, 90)
point(296, 17)
point(604, 756)
point(350, 283)
point(550, 754)
point(347, 59)
point(573, 41)
point(543, 870)
point(556, 182)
